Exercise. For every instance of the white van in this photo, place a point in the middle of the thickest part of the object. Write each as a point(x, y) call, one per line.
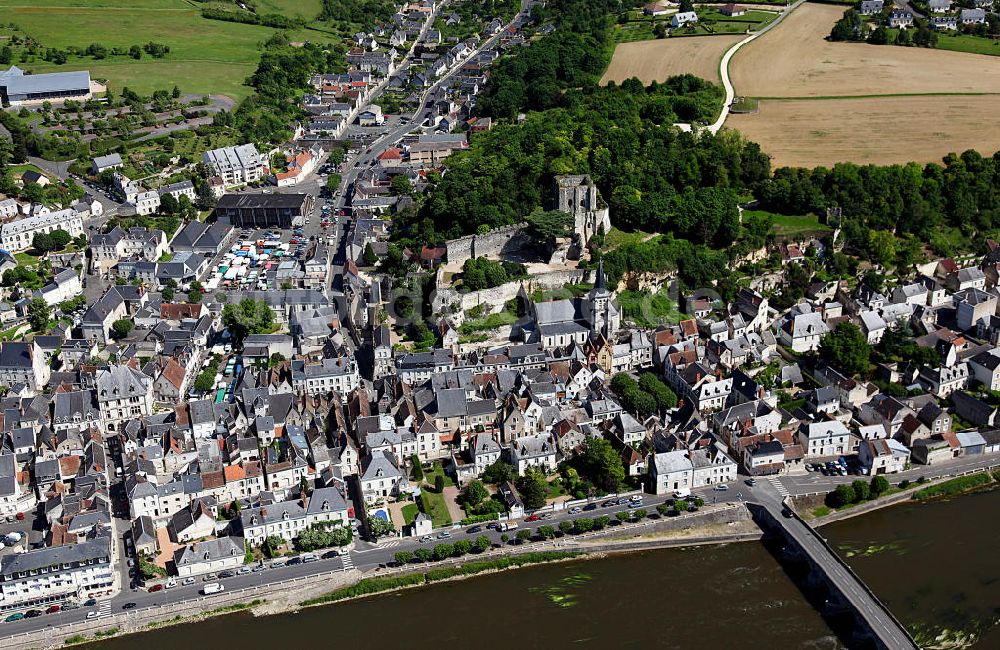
point(682, 493)
point(212, 588)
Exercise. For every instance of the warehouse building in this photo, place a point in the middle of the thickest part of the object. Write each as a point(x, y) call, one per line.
point(17, 88)
point(264, 210)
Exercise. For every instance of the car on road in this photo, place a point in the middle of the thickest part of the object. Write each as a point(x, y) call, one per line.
point(90, 602)
point(426, 538)
point(68, 606)
point(93, 614)
point(622, 501)
point(244, 570)
point(170, 583)
point(533, 518)
point(329, 555)
point(16, 616)
point(682, 493)
point(129, 606)
point(444, 534)
point(575, 510)
point(720, 487)
point(187, 581)
point(155, 588)
point(309, 557)
point(787, 513)
point(635, 497)
point(226, 574)
point(33, 613)
point(751, 482)
point(294, 561)
point(474, 530)
point(210, 577)
point(53, 609)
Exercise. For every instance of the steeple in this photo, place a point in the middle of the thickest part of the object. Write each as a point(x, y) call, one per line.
point(600, 282)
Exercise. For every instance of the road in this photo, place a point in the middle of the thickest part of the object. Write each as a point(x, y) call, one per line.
point(724, 66)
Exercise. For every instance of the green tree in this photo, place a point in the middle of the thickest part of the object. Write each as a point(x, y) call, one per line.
point(482, 543)
point(195, 296)
point(498, 473)
point(602, 464)
point(121, 327)
point(566, 527)
point(861, 492)
point(275, 360)
point(418, 471)
point(686, 5)
point(443, 551)
point(424, 554)
point(167, 293)
point(547, 532)
point(247, 317)
point(462, 547)
point(271, 545)
point(665, 398)
point(401, 185)
point(623, 515)
point(523, 535)
point(841, 496)
point(846, 348)
point(879, 486)
point(369, 257)
point(42, 242)
point(205, 381)
point(379, 527)
point(545, 227)
point(60, 239)
point(533, 488)
point(439, 483)
point(39, 315)
point(474, 493)
point(403, 557)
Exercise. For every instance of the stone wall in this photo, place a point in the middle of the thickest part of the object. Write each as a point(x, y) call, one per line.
point(494, 244)
point(447, 300)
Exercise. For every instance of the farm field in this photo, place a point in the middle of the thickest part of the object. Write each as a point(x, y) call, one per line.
point(794, 60)
point(882, 130)
point(206, 56)
point(658, 59)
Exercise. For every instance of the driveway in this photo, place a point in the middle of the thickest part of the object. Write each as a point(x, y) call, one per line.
point(455, 511)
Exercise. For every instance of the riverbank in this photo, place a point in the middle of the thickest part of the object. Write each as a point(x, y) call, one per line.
point(935, 489)
point(711, 525)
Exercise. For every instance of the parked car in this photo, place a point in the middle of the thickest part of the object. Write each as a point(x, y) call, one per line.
point(751, 482)
point(93, 614)
point(187, 581)
point(155, 588)
point(720, 487)
point(575, 510)
point(425, 539)
point(532, 518)
point(226, 574)
point(129, 606)
point(33, 613)
point(309, 557)
point(210, 577)
point(16, 616)
point(53, 609)
point(474, 530)
point(622, 501)
point(90, 602)
point(444, 534)
point(68, 606)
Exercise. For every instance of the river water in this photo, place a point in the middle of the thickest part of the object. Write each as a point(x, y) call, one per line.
point(936, 565)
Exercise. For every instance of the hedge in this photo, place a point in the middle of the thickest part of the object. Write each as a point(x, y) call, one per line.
point(953, 486)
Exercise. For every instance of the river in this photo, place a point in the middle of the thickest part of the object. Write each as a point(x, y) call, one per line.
point(936, 565)
point(708, 597)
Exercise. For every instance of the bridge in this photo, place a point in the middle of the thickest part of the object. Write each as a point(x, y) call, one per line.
point(874, 625)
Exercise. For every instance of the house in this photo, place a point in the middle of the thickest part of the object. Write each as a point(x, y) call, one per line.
point(17, 235)
point(210, 556)
point(655, 9)
point(900, 18)
point(972, 17)
point(22, 362)
point(939, 6)
point(103, 163)
point(670, 472)
point(802, 332)
point(536, 450)
point(985, 368)
point(682, 18)
point(829, 438)
point(883, 456)
point(238, 165)
point(123, 393)
point(943, 22)
point(46, 575)
point(871, 7)
point(732, 10)
point(381, 477)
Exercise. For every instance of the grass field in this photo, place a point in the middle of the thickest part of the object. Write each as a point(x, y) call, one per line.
point(794, 60)
point(790, 226)
point(434, 506)
point(206, 56)
point(872, 130)
point(659, 59)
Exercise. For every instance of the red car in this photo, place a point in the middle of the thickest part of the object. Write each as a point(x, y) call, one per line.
point(20, 516)
point(53, 609)
point(533, 518)
point(156, 588)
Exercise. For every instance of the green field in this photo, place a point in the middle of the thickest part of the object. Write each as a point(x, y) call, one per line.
point(792, 226)
point(967, 43)
point(206, 56)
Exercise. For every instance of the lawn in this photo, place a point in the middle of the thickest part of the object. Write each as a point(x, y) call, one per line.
point(410, 511)
point(968, 43)
point(792, 226)
point(617, 238)
point(433, 504)
point(206, 56)
point(649, 310)
point(430, 475)
point(489, 322)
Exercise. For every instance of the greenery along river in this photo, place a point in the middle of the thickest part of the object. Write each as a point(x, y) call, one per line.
point(934, 564)
point(734, 596)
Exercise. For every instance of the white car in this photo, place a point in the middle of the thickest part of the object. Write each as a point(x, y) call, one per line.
point(91, 615)
point(187, 581)
point(170, 584)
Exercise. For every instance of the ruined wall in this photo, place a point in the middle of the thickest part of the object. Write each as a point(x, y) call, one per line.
point(494, 244)
point(448, 301)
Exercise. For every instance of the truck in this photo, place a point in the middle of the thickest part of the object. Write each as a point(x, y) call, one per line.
point(212, 588)
point(507, 525)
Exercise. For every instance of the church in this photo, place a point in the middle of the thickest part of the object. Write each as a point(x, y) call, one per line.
point(558, 323)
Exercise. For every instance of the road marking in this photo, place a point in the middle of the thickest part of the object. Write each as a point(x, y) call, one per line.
point(347, 561)
point(777, 485)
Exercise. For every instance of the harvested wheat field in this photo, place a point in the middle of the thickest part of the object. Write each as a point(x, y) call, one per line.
point(658, 59)
point(794, 60)
point(807, 133)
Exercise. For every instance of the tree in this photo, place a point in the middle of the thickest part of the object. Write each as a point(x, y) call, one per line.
point(482, 543)
point(623, 516)
point(533, 488)
point(195, 296)
point(379, 527)
point(423, 554)
point(369, 257)
point(462, 547)
point(168, 204)
point(523, 535)
point(879, 36)
point(121, 327)
point(439, 483)
point(686, 5)
point(401, 185)
point(418, 472)
point(861, 492)
point(841, 496)
point(403, 557)
point(498, 473)
point(167, 293)
point(247, 317)
point(205, 381)
point(275, 360)
point(879, 486)
point(443, 551)
point(60, 239)
point(662, 509)
point(175, 93)
point(566, 527)
point(474, 493)
point(544, 228)
point(39, 315)
point(665, 398)
point(846, 348)
point(42, 242)
point(547, 532)
point(271, 545)
point(583, 525)
point(602, 464)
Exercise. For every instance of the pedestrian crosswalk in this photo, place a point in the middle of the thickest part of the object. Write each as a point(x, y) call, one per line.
point(777, 485)
point(104, 608)
point(348, 562)
point(389, 544)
